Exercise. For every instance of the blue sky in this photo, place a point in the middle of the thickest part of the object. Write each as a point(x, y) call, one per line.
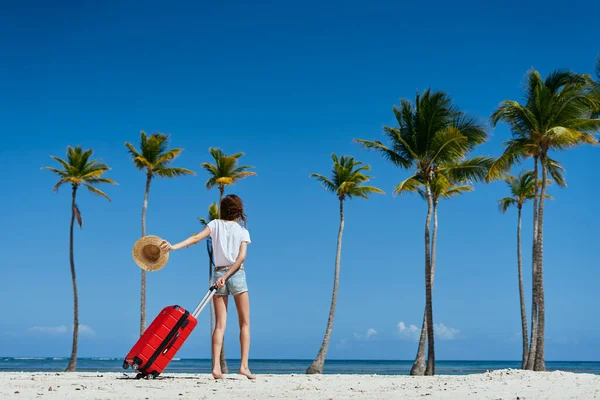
point(287, 83)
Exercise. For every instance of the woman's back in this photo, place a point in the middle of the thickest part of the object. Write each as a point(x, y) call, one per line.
point(227, 237)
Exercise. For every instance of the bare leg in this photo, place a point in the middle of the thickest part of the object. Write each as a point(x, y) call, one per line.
point(242, 304)
point(220, 303)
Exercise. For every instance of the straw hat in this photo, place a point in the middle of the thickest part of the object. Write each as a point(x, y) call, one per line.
point(148, 255)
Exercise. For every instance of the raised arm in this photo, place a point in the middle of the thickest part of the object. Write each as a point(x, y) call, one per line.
point(192, 240)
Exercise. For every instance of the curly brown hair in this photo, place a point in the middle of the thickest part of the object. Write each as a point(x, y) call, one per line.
point(232, 208)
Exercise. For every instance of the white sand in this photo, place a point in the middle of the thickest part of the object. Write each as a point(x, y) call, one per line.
point(504, 384)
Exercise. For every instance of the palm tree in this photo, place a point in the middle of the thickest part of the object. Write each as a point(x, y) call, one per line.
point(554, 116)
point(346, 181)
point(78, 170)
point(522, 188)
point(153, 157)
point(441, 188)
point(595, 89)
point(224, 172)
point(213, 213)
point(433, 136)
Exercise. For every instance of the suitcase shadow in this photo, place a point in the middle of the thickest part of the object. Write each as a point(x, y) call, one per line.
point(168, 377)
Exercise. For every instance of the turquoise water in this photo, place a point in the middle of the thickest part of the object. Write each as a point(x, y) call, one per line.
point(201, 366)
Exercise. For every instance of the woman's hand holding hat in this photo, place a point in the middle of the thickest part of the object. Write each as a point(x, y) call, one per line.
point(166, 246)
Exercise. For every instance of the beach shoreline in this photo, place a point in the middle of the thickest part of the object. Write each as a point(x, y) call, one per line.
point(499, 384)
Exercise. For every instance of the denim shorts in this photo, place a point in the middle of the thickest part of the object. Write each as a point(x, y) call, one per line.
point(235, 284)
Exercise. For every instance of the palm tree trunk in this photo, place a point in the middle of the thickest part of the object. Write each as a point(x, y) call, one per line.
point(522, 293)
point(428, 295)
point(317, 365)
point(418, 367)
point(73, 360)
point(221, 193)
point(222, 358)
point(143, 291)
point(540, 364)
point(533, 340)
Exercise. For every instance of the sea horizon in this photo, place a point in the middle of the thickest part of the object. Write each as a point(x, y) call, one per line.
point(288, 366)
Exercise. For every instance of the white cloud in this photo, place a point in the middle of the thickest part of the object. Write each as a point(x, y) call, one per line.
point(86, 330)
point(413, 332)
point(50, 330)
point(444, 332)
point(408, 332)
point(370, 334)
point(62, 329)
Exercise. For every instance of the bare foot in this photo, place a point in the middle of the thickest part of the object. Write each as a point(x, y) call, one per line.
point(217, 374)
point(246, 372)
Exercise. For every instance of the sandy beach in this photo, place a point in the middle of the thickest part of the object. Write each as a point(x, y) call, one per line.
point(496, 385)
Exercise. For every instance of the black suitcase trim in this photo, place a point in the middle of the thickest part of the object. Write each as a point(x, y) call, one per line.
point(166, 340)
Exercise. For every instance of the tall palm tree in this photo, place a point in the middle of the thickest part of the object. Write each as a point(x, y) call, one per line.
point(154, 158)
point(555, 115)
point(224, 172)
point(432, 136)
point(441, 188)
point(347, 181)
point(213, 213)
point(78, 171)
point(522, 188)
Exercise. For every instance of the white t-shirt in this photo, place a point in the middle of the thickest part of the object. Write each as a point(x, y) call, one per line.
point(227, 236)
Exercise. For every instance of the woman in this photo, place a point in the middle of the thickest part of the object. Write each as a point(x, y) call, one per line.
point(230, 241)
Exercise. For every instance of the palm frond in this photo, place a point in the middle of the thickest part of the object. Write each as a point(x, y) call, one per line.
point(241, 169)
point(474, 169)
point(98, 192)
point(77, 214)
point(410, 184)
point(136, 157)
point(210, 168)
point(516, 150)
point(447, 145)
point(325, 182)
point(173, 172)
point(95, 181)
point(456, 190)
point(364, 191)
point(93, 173)
point(203, 221)
point(242, 175)
point(58, 172)
point(387, 153)
point(556, 172)
point(168, 156)
point(505, 203)
point(59, 184)
point(62, 162)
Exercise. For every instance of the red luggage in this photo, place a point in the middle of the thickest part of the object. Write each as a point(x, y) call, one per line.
point(163, 338)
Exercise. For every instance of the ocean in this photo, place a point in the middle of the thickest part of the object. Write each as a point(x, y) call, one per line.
point(202, 366)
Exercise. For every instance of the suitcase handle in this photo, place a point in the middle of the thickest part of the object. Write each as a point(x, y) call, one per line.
point(207, 297)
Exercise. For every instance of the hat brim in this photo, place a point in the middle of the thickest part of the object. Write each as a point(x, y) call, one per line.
point(142, 261)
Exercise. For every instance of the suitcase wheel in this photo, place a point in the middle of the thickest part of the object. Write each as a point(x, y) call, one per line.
point(154, 374)
point(139, 376)
point(125, 365)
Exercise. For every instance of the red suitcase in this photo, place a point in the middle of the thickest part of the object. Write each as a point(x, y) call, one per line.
point(163, 338)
